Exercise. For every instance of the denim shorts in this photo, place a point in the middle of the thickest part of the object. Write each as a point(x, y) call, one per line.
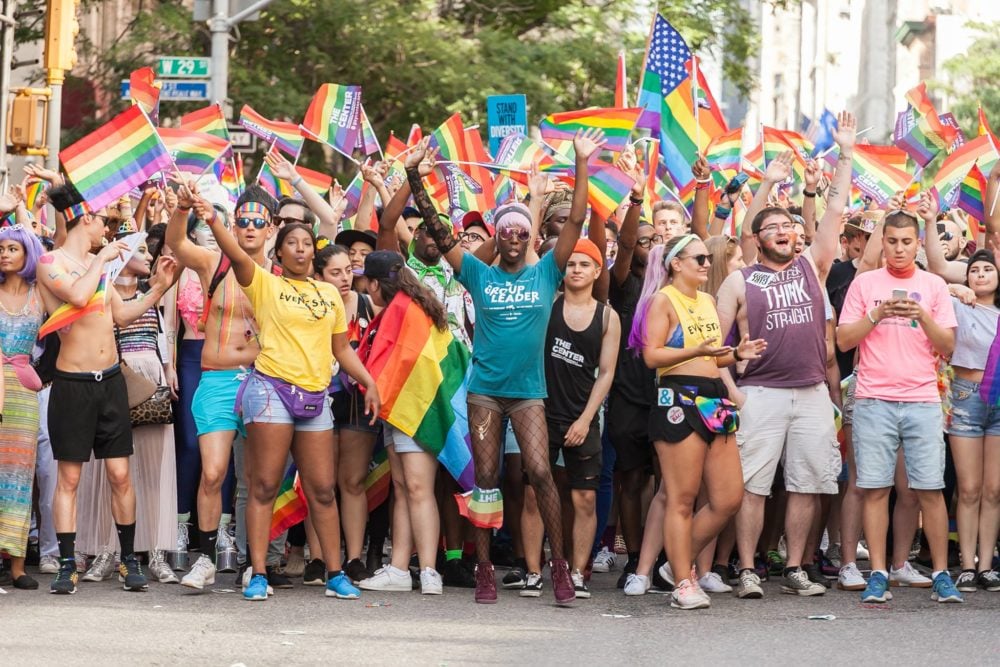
point(880, 427)
point(402, 443)
point(970, 416)
point(262, 405)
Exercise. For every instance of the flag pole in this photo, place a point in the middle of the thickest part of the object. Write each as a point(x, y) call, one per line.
point(694, 92)
point(323, 141)
point(645, 58)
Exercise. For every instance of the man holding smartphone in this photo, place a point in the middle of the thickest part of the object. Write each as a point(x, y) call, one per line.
point(901, 317)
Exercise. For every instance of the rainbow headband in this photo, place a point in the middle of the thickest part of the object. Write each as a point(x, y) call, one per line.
point(76, 210)
point(253, 207)
point(677, 248)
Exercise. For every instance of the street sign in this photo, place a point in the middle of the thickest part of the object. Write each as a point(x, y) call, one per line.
point(183, 67)
point(176, 91)
point(243, 141)
point(505, 114)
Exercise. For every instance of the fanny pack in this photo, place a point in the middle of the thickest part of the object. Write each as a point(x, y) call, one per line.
point(720, 415)
point(300, 403)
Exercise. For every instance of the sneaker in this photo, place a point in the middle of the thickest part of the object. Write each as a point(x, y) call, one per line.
point(340, 587)
point(688, 595)
point(226, 553)
point(486, 583)
point(277, 578)
point(562, 582)
point(797, 582)
point(849, 578)
point(389, 579)
point(637, 584)
point(833, 555)
point(247, 580)
point(775, 563)
point(966, 581)
point(724, 574)
point(630, 567)
point(713, 583)
point(877, 589)
point(989, 580)
point(430, 582)
point(48, 565)
point(256, 588)
point(456, 574)
point(657, 581)
point(65, 581)
point(620, 547)
point(202, 574)
point(579, 585)
point(159, 569)
point(81, 562)
point(815, 574)
point(295, 566)
point(532, 586)
point(908, 576)
point(102, 568)
point(604, 561)
point(514, 579)
point(861, 552)
point(354, 569)
point(944, 589)
point(667, 574)
point(748, 587)
point(130, 574)
point(314, 573)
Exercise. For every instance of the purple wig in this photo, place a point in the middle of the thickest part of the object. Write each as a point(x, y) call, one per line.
point(655, 279)
point(32, 249)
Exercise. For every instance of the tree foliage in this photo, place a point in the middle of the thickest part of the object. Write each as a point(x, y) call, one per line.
point(973, 77)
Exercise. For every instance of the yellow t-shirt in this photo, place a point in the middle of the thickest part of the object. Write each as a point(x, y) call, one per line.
point(697, 321)
point(295, 346)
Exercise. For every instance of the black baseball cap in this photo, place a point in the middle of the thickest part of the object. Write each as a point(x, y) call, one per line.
point(382, 264)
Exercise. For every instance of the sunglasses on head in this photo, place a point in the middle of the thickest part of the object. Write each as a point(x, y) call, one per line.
point(507, 233)
point(258, 223)
point(701, 259)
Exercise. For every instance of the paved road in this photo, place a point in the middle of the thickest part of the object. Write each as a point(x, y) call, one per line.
point(172, 625)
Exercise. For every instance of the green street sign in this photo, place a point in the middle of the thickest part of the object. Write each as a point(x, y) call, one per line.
point(182, 67)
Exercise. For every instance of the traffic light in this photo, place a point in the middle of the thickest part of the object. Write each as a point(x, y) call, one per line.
point(25, 132)
point(61, 29)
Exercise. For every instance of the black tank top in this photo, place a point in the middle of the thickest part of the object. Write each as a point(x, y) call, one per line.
point(571, 363)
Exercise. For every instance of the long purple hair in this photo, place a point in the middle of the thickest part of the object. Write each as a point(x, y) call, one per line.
point(655, 279)
point(32, 249)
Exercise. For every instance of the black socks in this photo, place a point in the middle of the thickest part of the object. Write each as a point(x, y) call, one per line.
point(67, 546)
point(126, 539)
point(207, 540)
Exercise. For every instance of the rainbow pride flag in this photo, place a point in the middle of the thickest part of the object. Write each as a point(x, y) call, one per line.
point(193, 152)
point(66, 314)
point(422, 376)
point(122, 154)
point(919, 131)
point(318, 181)
point(367, 141)
point(379, 480)
point(144, 90)
point(621, 83)
point(209, 119)
point(334, 117)
point(558, 129)
point(725, 151)
point(983, 128)
point(290, 507)
point(776, 142)
point(608, 186)
point(353, 195)
point(32, 193)
point(971, 194)
point(890, 155)
point(872, 176)
point(956, 167)
point(483, 507)
point(276, 187)
point(449, 139)
point(286, 136)
point(517, 153)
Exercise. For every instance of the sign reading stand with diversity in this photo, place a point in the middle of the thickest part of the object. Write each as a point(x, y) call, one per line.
point(505, 115)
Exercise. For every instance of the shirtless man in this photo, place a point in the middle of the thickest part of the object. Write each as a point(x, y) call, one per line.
point(230, 346)
point(88, 385)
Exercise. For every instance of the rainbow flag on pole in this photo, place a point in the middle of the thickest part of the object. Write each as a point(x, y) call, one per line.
point(517, 153)
point(193, 152)
point(449, 139)
point(725, 152)
point(318, 181)
point(558, 129)
point(621, 83)
point(919, 131)
point(334, 117)
point(872, 176)
point(290, 507)
point(210, 120)
point(286, 136)
point(956, 167)
point(145, 91)
point(367, 141)
point(422, 377)
point(971, 194)
point(66, 314)
point(120, 155)
point(984, 128)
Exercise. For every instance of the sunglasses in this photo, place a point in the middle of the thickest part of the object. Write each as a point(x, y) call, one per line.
point(701, 259)
point(648, 241)
point(280, 220)
point(258, 223)
point(507, 233)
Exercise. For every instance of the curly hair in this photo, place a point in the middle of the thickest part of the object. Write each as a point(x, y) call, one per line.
point(402, 279)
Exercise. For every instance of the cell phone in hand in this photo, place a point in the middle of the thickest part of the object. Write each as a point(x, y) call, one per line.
point(898, 294)
point(736, 184)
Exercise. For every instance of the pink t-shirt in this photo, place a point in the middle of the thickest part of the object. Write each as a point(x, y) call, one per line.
point(897, 360)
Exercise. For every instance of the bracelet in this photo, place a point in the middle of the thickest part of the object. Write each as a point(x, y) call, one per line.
point(184, 208)
point(871, 319)
point(806, 193)
point(215, 217)
point(736, 354)
point(296, 181)
point(635, 201)
point(702, 185)
point(703, 180)
point(722, 212)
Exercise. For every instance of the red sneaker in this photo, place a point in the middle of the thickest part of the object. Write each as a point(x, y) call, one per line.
point(562, 583)
point(486, 584)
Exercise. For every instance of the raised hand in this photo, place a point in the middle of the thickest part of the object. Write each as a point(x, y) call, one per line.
point(280, 167)
point(39, 173)
point(897, 202)
point(780, 168)
point(701, 168)
point(370, 174)
point(539, 182)
point(8, 201)
point(417, 153)
point(846, 132)
point(927, 209)
point(163, 273)
point(812, 175)
point(587, 142)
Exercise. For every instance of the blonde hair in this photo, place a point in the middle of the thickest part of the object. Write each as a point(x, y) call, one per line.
point(721, 249)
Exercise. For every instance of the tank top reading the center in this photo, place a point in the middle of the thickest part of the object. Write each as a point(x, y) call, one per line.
point(571, 362)
point(786, 309)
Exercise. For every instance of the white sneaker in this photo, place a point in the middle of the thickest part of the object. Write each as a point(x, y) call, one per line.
point(861, 553)
point(160, 570)
point(202, 574)
point(102, 568)
point(430, 582)
point(713, 583)
point(48, 565)
point(637, 584)
point(667, 573)
point(604, 561)
point(833, 554)
point(850, 579)
point(908, 576)
point(388, 578)
point(688, 595)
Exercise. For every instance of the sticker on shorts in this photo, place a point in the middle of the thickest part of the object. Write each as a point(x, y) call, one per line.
point(665, 398)
point(760, 278)
point(675, 415)
point(688, 398)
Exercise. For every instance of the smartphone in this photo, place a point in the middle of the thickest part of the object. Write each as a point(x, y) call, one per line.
point(736, 184)
point(898, 294)
point(940, 228)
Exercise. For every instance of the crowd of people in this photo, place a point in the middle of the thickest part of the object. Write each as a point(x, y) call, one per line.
point(696, 410)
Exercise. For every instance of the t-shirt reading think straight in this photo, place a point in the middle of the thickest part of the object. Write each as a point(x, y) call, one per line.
point(294, 345)
point(512, 315)
point(897, 360)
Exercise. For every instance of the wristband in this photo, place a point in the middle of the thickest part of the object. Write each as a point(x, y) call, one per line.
point(871, 319)
point(296, 181)
point(736, 354)
point(703, 180)
point(806, 193)
point(702, 185)
point(635, 201)
point(722, 212)
point(184, 208)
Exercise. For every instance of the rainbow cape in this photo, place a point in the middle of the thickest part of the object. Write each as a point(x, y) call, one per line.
point(66, 314)
point(334, 117)
point(193, 152)
point(558, 129)
point(286, 136)
point(209, 119)
point(422, 376)
point(378, 480)
point(145, 91)
point(290, 507)
point(121, 154)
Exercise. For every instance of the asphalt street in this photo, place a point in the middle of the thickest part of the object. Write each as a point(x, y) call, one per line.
point(172, 625)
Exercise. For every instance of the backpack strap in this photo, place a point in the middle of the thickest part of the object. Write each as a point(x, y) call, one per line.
point(220, 274)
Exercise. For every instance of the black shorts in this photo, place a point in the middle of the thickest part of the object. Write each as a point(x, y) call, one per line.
point(674, 417)
point(88, 415)
point(629, 432)
point(583, 462)
point(348, 407)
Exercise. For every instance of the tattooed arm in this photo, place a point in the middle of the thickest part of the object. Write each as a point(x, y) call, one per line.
point(825, 248)
point(445, 240)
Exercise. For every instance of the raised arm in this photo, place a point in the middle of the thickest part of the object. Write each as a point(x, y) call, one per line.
point(586, 143)
point(824, 250)
point(163, 277)
point(190, 254)
point(952, 272)
point(777, 171)
point(812, 176)
point(992, 207)
point(703, 187)
point(628, 236)
point(243, 264)
point(445, 240)
point(284, 170)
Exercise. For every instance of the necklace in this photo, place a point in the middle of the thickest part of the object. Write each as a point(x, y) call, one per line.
point(326, 308)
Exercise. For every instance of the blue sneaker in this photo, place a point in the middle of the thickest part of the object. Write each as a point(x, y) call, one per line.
point(256, 589)
point(877, 589)
point(944, 589)
point(341, 587)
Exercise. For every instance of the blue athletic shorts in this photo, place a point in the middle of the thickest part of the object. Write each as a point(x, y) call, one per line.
point(214, 402)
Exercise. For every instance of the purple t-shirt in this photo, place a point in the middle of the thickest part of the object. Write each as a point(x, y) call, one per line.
point(786, 308)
